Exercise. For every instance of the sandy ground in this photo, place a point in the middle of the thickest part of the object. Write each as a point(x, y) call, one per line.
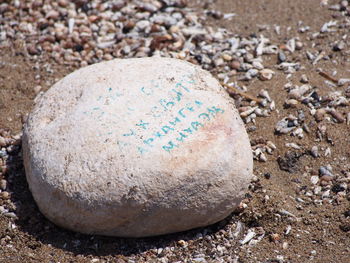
point(317, 231)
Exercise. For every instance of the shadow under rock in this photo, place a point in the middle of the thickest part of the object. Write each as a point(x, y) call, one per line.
point(42, 232)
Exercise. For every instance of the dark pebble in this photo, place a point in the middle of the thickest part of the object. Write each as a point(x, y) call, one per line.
point(345, 227)
point(78, 48)
point(290, 124)
point(337, 188)
point(290, 161)
point(251, 128)
point(339, 46)
point(281, 57)
point(315, 96)
point(267, 175)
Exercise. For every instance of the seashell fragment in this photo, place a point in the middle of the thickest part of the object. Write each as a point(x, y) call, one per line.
point(266, 74)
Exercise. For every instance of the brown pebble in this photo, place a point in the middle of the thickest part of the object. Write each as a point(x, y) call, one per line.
point(3, 169)
point(46, 46)
point(275, 237)
point(36, 4)
point(326, 178)
point(340, 199)
point(130, 25)
point(291, 103)
point(47, 38)
point(5, 195)
point(314, 172)
point(93, 18)
point(32, 50)
point(52, 14)
point(319, 115)
point(235, 65)
point(325, 183)
point(117, 5)
point(337, 115)
point(63, 3)
point(244, 108)
point(182, 243)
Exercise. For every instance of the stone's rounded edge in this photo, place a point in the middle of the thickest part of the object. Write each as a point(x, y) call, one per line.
point(36, 175)
point(139, 229)
point(96, 68)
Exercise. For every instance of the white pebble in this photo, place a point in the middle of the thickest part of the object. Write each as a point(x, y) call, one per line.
point(314, 179)
point(248, 237)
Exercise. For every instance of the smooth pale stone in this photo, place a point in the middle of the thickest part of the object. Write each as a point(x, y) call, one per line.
point(136, 147)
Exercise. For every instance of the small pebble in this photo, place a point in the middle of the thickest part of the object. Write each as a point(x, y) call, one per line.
point(314, 179)
point(337, 116)
point(11, 215)
point(5, 195)
point(182, 243)
point(3, 209)
point(281, 57)
point(2, 141)
point(314, 151)
point(274, 237)
point(325, 171)
point(266, 74)
point(267, 175)
point(299, 45)
point(3, 184)
point(339, 46)
point(250, 235)
point(37, 89)
point(320, 114)
point(304, 79)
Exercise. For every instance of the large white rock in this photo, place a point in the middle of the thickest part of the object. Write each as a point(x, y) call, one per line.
point(136, 147)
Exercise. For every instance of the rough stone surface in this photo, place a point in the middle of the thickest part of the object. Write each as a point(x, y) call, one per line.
point(136, 147)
